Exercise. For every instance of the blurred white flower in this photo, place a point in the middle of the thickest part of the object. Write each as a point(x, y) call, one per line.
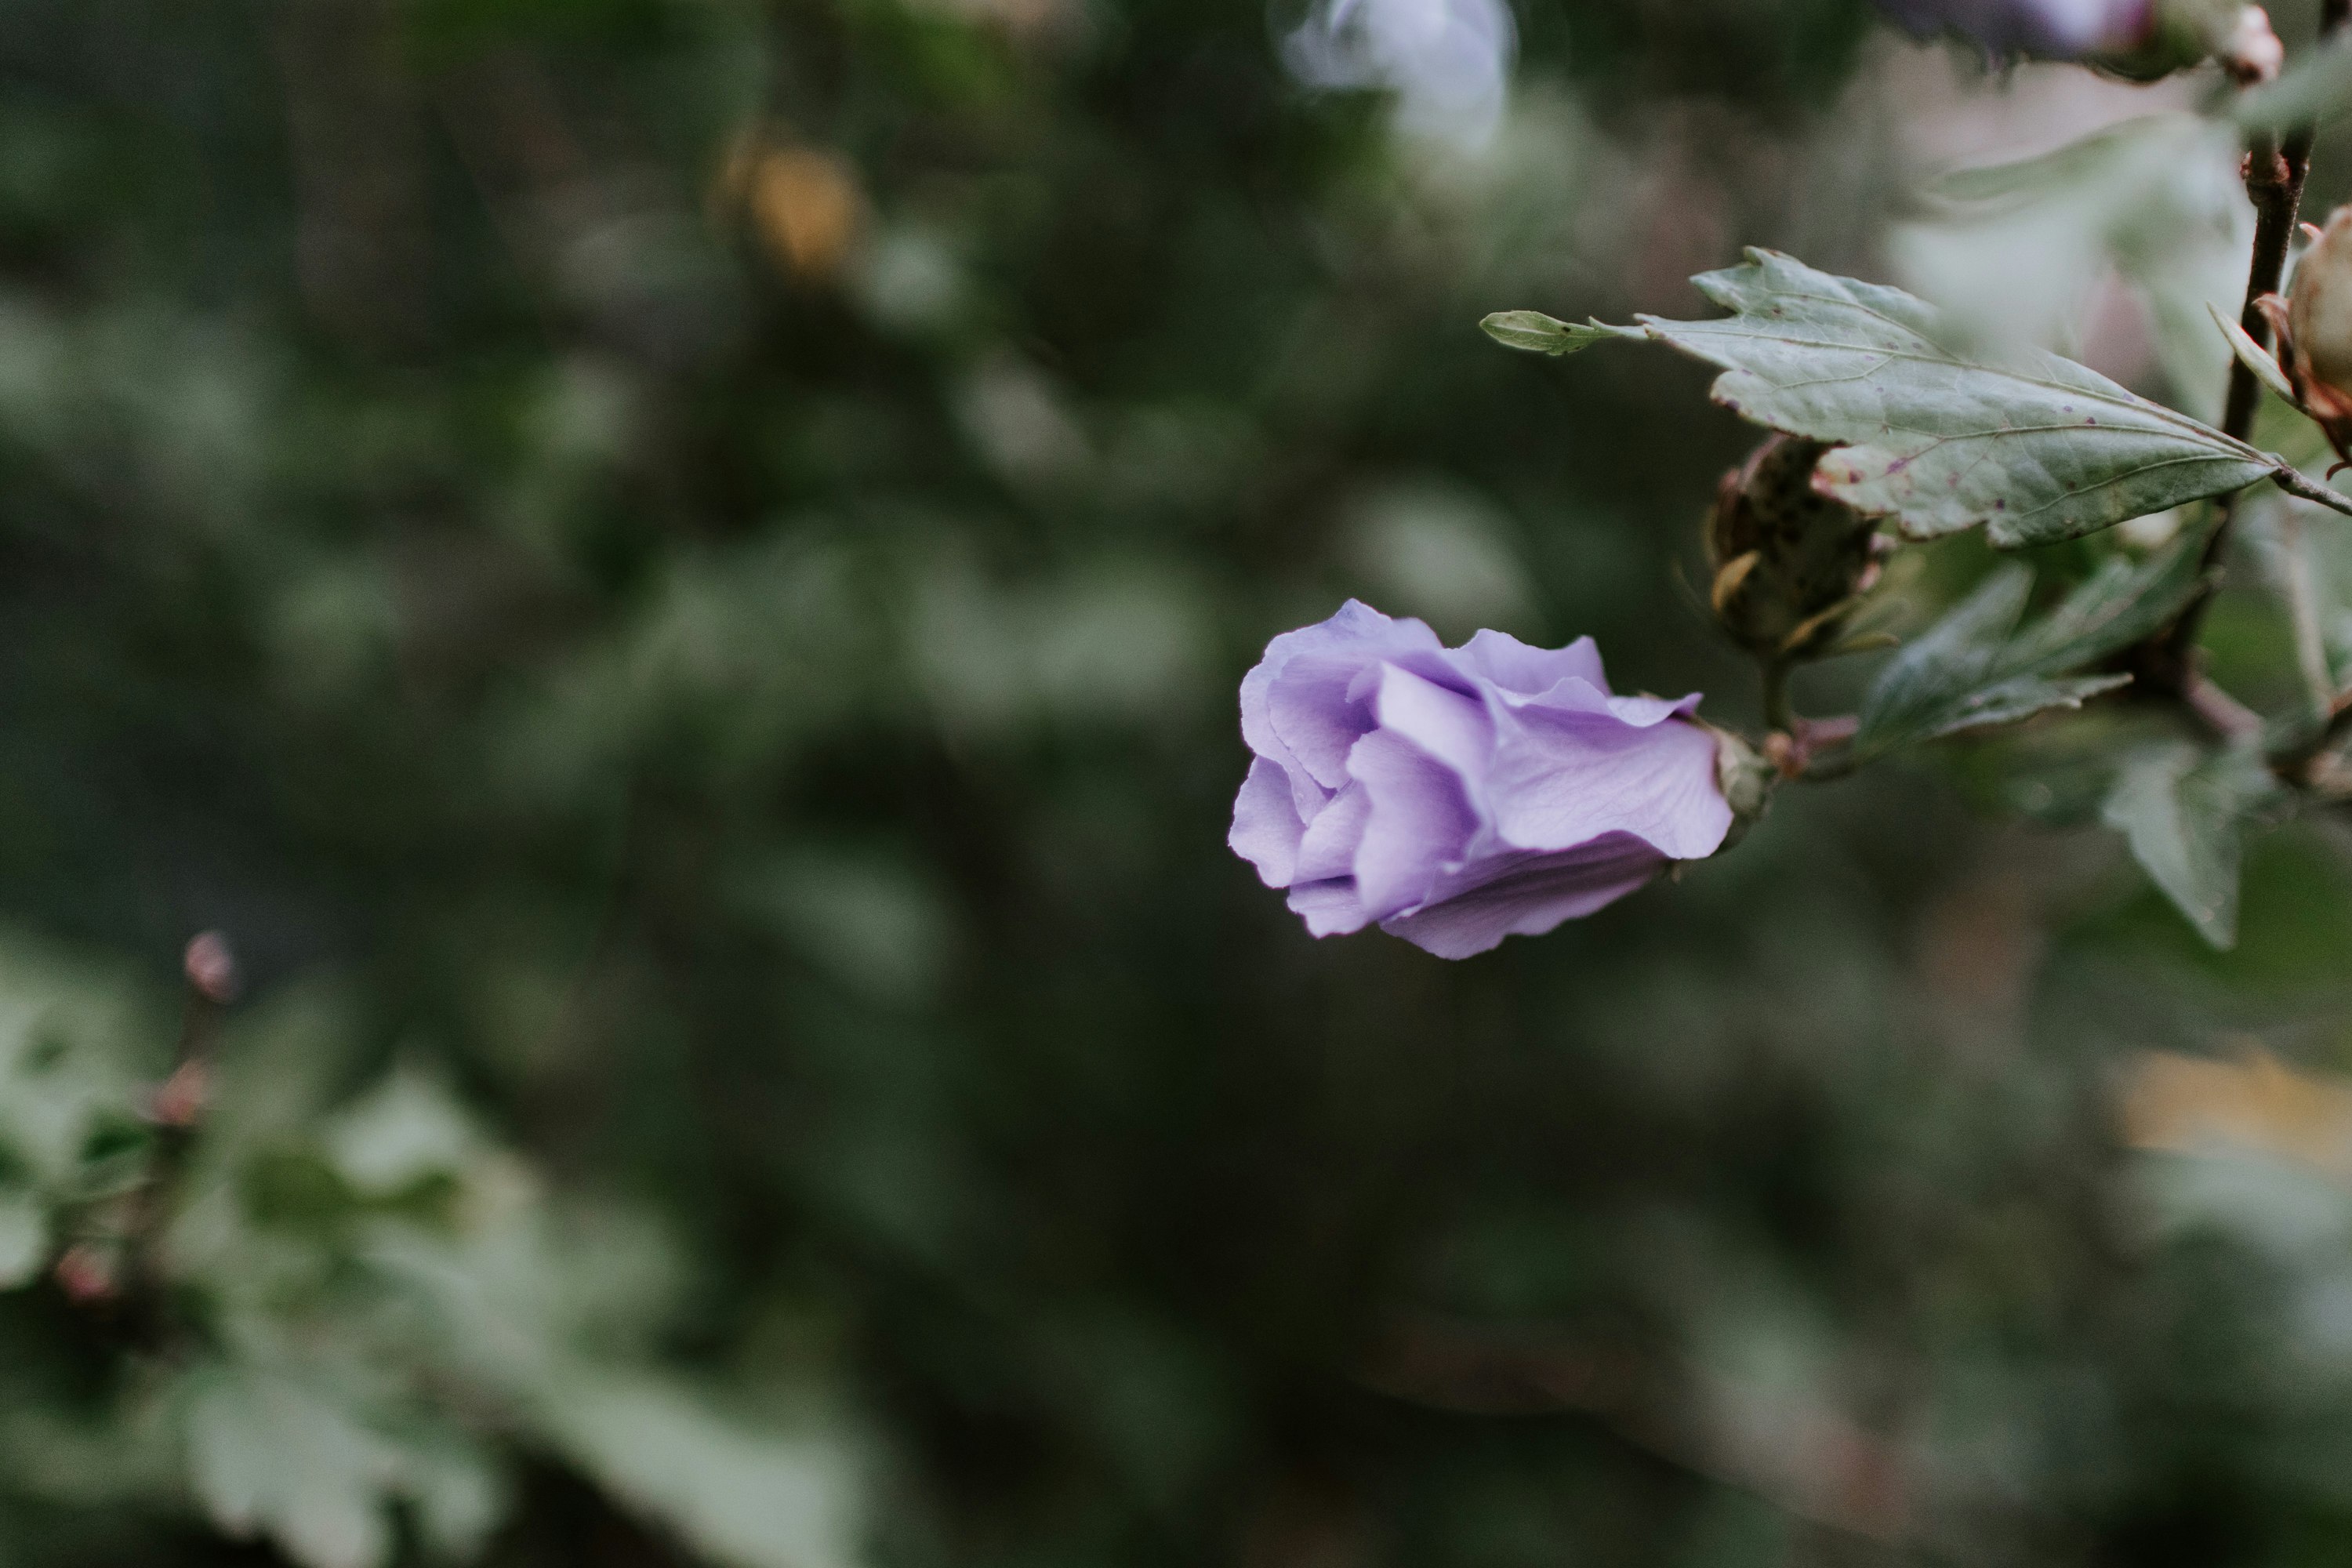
point(1448, 61)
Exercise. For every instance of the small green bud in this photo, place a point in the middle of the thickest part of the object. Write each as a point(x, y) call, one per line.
point(1790, 563)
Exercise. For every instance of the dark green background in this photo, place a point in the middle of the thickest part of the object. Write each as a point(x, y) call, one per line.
point(444, 547)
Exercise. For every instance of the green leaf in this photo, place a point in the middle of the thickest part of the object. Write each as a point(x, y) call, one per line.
point(2120, 604)
point(1975, 669)
point(1935, 434)
point(409, 1129)
point(1959, 677)
point(1539, 333)
point(273, 1454)
point(2185, 814)
point(745, 1498)
point(23, 1239)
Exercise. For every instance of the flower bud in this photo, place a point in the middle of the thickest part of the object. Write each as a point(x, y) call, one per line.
point(1790, 565)
point(2314, 328)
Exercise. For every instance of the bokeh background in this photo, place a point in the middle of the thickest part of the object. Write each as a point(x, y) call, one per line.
point(672, 574)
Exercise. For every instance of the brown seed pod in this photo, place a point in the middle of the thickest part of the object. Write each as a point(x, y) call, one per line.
point(1789, 564)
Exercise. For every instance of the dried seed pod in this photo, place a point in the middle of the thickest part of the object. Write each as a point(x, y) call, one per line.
point(1790, 563)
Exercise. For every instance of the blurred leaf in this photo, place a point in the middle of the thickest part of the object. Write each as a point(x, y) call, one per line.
point(23, 1239)
point(274, 1455)
point(2185, 813)
point(747, 1498)
point(2315, 88)
point(408, 1130)
point(2138, 227)
point(2033, 447)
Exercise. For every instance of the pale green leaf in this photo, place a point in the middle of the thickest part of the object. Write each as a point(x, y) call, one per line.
point(744, 1498)
point(267, 1455)
point(299, 1461)
point(1935, 434)
point(1539, 333)
point(407, 1130)
point(23, 1239)
point(2185, 813)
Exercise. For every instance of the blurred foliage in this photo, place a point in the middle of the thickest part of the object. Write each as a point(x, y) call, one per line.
point(672, 574)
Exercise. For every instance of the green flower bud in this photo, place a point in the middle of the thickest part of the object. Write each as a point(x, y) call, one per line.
point(1790, 565)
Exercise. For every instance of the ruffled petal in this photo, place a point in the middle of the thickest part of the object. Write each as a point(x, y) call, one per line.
point(1296, 705)
point(1529, 896)
point(1330, 908)
point(1506, 662)
point(1266, 830)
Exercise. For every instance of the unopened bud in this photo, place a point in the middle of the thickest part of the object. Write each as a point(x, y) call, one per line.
point(2314, 328)
point(211, 967)
point(1790, 563)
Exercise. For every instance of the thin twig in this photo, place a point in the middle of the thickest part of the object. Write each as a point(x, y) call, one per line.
point(2221, 713)
point(1778, 714)
point(2289, 480)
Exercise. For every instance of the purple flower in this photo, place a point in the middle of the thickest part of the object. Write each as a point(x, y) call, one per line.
point(2054, 29)
point(1457, 796)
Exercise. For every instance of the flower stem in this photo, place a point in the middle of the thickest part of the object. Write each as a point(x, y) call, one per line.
point(1778, 714)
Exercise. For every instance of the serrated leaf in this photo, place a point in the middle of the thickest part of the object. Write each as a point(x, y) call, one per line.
point(1959, 656)
point(2022, 697)
point(1935, 433)
point(1539, 333)
point(2120, 604)
point(2184, 813)
point(1975, 669)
